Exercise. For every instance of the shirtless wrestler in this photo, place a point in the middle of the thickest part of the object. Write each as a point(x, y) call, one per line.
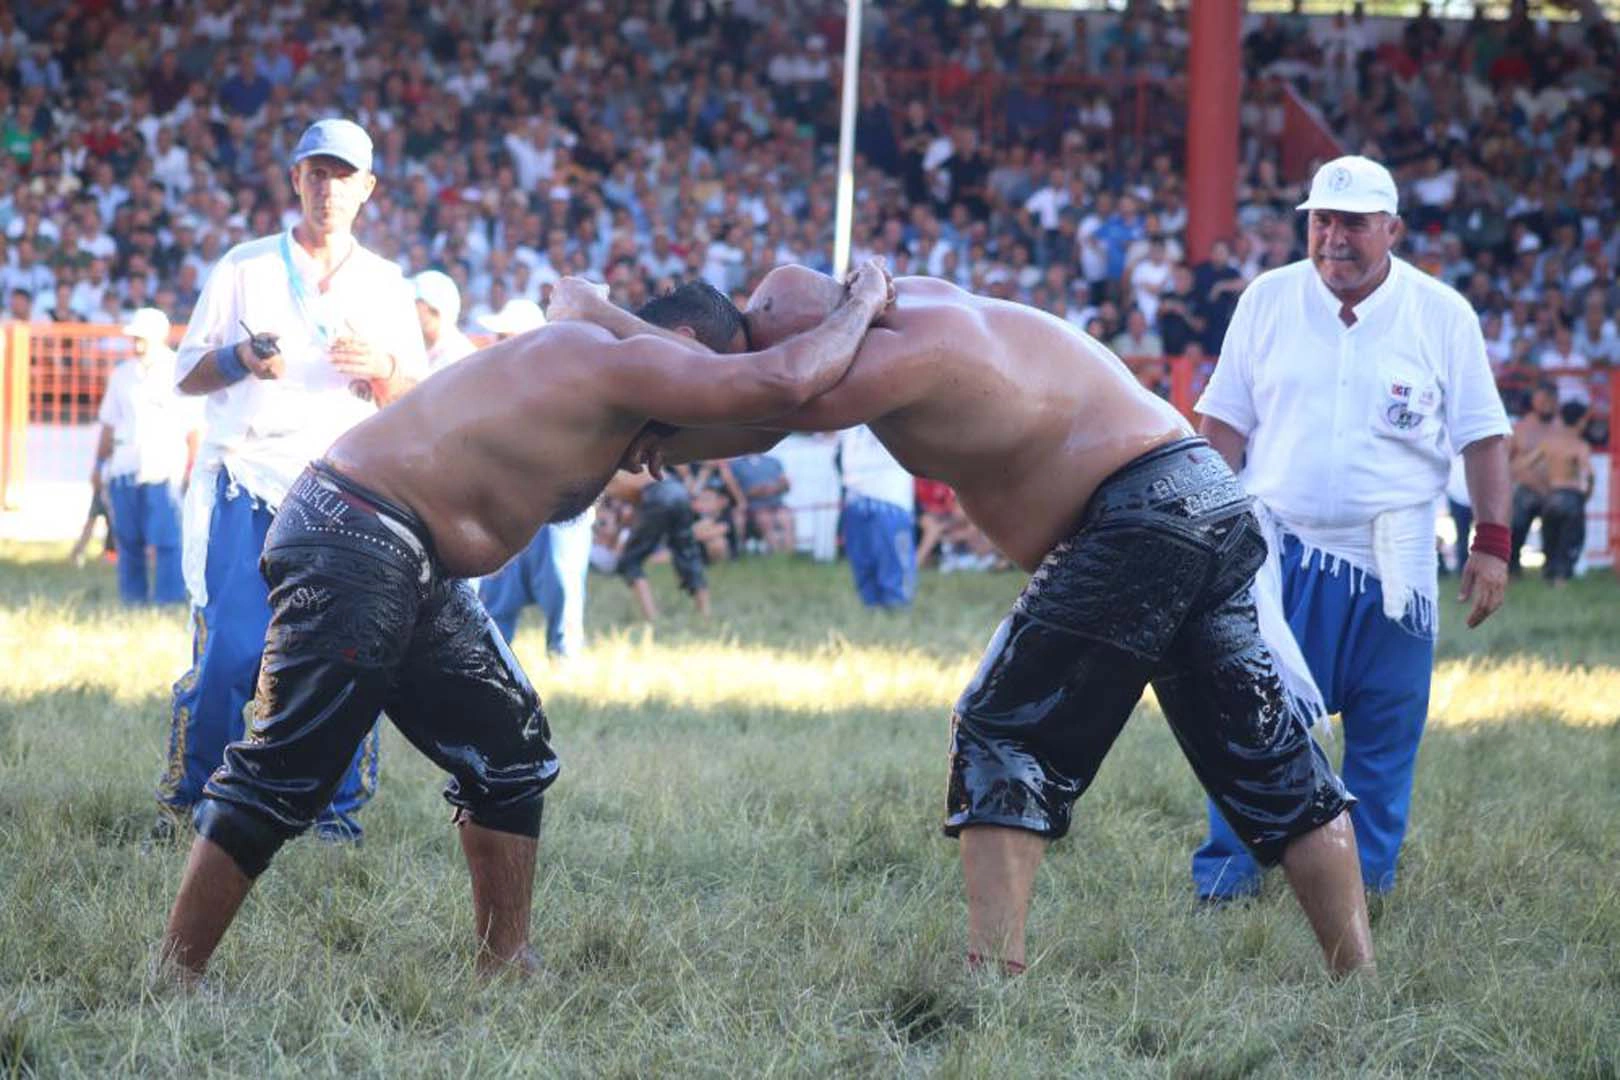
point(365, 561)
point(1142, 551)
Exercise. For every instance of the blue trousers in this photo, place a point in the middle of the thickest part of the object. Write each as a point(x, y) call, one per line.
point(227, 642)
point(1375, 673)
point(146, 516)
point(882, 550)
point(550, 573)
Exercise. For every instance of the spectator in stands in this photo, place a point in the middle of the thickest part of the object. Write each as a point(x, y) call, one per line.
point(1138, 340)
point(1150, 276)
point(1559, 355)
point(1595, 336)
point(1179, 323)
point(297, 337)
point(21, 307)
point(878, 525)
point(1216, 285)
point(147, 442)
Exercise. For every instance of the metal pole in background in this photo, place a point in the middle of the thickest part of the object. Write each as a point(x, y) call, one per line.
point(1214, 85)
point(843, 222)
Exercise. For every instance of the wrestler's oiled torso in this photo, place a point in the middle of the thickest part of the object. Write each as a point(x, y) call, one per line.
point(1023, 415)
point(492, 448)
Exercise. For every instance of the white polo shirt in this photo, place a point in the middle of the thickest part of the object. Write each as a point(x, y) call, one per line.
point(149, 419)
point(1346, 423)
point(264, 431)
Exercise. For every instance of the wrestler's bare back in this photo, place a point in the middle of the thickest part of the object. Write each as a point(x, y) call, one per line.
point(1019, 412)
point(489, 449)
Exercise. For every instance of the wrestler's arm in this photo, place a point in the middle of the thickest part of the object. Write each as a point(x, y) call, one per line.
point(716, 443)
point(896, 369)
point(659, 379)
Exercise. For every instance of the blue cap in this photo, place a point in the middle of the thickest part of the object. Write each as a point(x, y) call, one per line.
point(342, 139)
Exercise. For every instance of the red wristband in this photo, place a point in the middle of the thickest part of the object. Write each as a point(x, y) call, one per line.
point(1490, 539)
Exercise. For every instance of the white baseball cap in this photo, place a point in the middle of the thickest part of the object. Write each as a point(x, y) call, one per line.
point(335, 137)
point(439, 292)
point(148, 324)
point(518, 316)
point(1353, 184)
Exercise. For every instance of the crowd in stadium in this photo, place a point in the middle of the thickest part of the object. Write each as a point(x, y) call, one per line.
point(140, 141)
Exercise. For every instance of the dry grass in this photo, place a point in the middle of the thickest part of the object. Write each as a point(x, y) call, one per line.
point(741, 870)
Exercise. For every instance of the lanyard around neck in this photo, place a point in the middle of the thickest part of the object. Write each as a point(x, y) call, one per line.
point(313, 308)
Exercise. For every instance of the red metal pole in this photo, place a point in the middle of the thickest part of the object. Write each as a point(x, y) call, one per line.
point(1213, 80)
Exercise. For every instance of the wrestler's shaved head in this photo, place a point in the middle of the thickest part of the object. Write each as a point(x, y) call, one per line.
point(791, 300)
point(699, 309)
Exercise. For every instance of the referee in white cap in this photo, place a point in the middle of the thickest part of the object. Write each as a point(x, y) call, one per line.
point(296, 337)
point(1347, 382)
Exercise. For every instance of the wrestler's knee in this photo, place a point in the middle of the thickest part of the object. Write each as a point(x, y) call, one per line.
point(509, 808)
point(996, 780)
point(520, 818)
point(251, 839)
point(504, 790)
point(1270, 813)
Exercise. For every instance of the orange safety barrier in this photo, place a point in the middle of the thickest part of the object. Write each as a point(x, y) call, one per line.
point(54, 377)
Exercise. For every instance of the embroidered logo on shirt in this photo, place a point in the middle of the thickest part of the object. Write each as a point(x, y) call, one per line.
point(1401, 418)
point(1402, 413)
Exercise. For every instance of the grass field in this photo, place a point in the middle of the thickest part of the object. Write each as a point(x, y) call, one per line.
point(741, 870)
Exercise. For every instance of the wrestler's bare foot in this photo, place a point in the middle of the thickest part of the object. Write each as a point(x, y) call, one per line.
point(1324, 871)
point(523, 964)
point(701, 599)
